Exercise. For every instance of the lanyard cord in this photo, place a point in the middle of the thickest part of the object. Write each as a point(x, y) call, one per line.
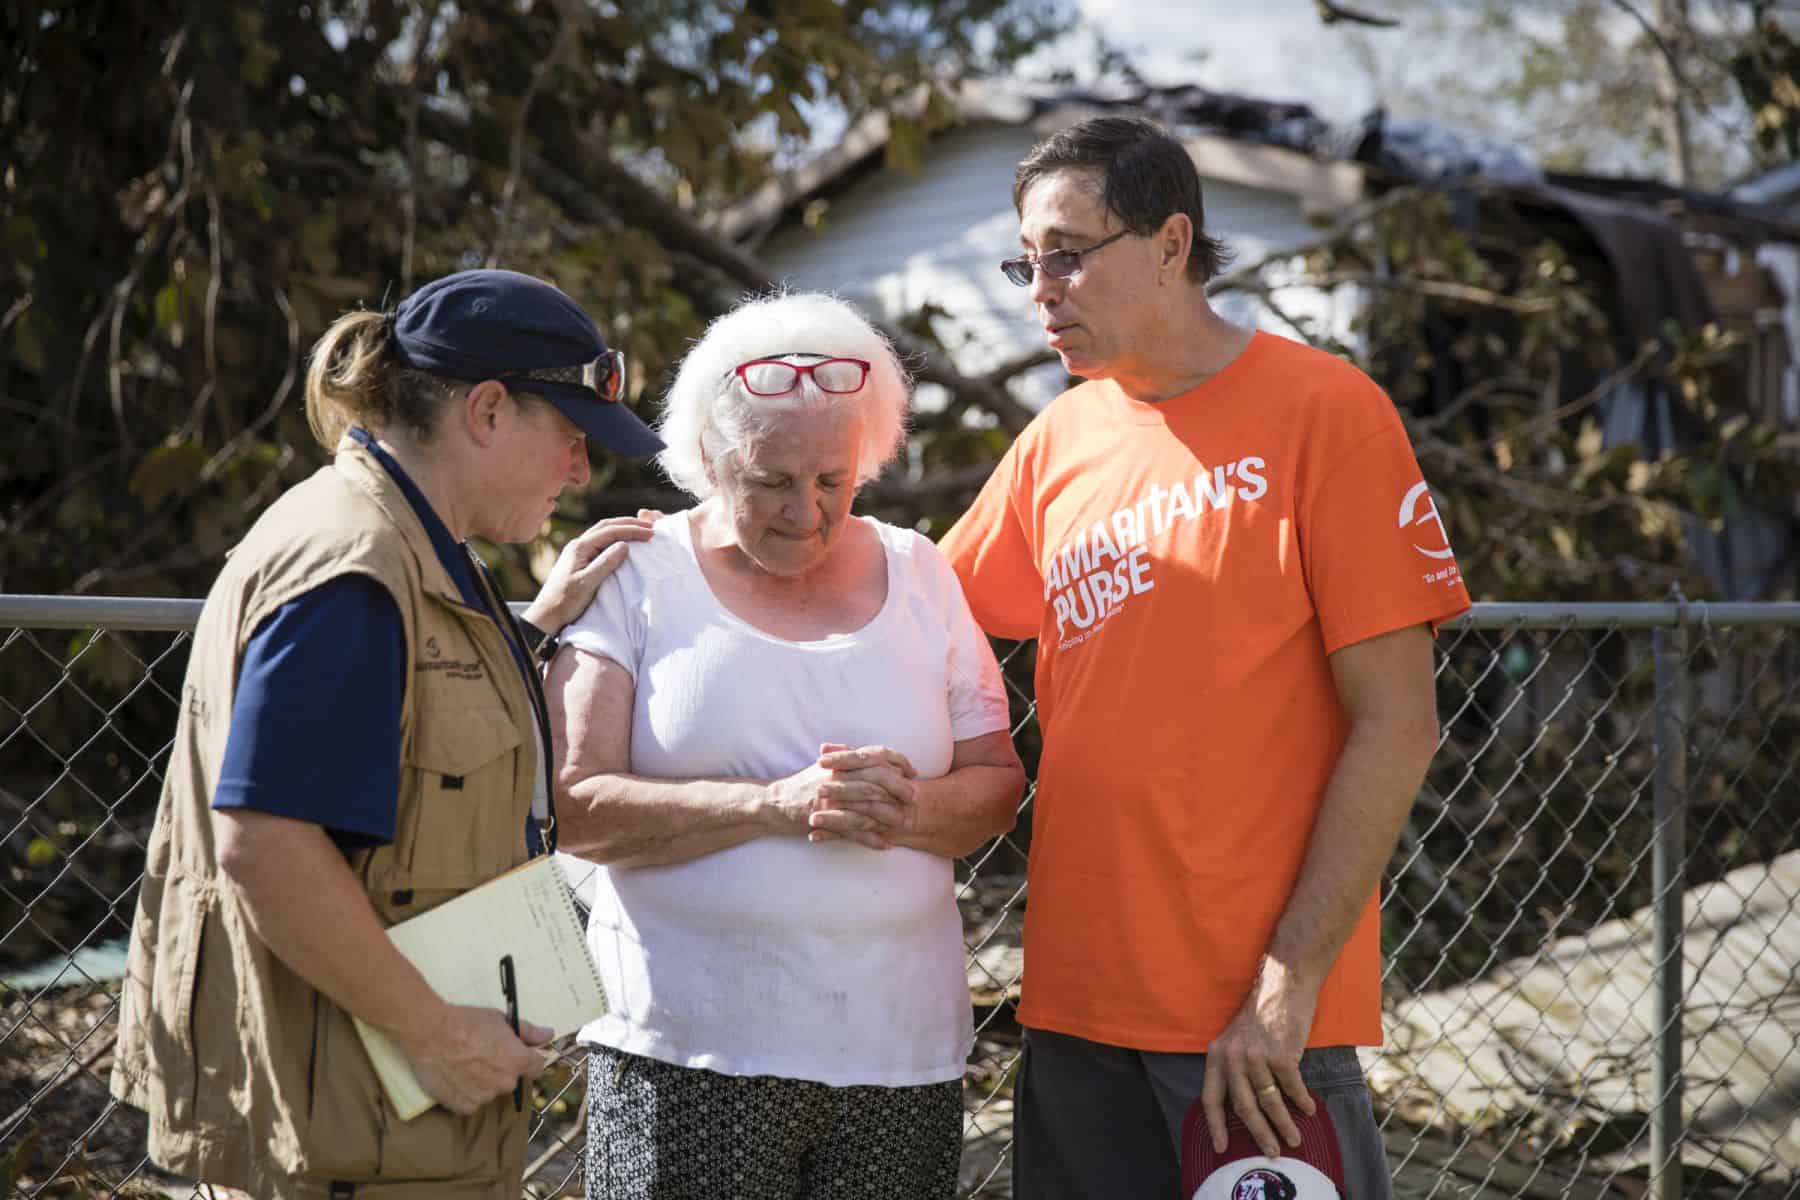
point(534, 688)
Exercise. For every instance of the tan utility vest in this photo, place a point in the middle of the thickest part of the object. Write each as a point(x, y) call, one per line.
point(250, 1077)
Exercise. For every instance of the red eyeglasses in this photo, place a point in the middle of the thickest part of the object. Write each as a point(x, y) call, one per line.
point(778, 377)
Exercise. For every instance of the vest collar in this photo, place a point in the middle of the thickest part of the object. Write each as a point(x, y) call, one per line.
point(358, 466)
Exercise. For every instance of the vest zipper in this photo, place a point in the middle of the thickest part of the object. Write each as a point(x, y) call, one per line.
point(312, 1059)
point(193, 1015)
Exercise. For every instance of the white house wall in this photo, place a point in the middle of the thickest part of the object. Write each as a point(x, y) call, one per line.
point(893, 242)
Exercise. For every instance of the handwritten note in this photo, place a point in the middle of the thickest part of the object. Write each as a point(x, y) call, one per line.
point(526, 913)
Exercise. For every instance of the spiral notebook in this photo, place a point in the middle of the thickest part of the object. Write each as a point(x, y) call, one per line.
point(527, 913)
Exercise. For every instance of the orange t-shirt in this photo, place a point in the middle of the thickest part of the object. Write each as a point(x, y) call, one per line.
point(1186, 568)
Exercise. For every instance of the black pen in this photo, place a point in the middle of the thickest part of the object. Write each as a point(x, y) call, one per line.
point(509, 986)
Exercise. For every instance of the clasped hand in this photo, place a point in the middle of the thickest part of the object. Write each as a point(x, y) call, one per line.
point(864, 795)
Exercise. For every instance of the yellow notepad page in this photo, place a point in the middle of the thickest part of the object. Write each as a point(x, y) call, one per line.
point(526, 913)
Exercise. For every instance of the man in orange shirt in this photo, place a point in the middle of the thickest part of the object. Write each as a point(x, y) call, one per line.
point(1233, 567)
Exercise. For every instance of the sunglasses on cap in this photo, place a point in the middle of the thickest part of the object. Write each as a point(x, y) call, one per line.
point(778, 377)
point(1057, 264)
point(604, 376)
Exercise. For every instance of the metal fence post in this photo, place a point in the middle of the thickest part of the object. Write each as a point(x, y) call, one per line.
point(1668, 860)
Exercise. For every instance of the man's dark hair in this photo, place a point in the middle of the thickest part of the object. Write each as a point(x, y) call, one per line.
point(1145, 177)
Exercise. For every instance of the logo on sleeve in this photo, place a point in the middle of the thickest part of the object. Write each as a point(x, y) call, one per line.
point(1411, 518)
point(1419, 520)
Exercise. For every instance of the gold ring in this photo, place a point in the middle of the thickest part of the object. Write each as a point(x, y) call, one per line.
point(1268, 1087)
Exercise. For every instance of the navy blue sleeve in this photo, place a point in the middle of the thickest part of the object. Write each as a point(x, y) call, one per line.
point(315, 724)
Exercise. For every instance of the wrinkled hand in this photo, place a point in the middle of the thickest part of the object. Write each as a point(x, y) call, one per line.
point(583, 565)
point(472, 1056)
point(1256, 1062)
point(868, 798)
point(795, 798)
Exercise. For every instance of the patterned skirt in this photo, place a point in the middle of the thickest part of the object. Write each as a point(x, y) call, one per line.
point(657, 1131)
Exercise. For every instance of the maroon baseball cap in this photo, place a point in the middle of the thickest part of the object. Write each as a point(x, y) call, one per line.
point(1312, 1171)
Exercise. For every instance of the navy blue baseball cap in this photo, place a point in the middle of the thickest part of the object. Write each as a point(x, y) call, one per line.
point(488, 324)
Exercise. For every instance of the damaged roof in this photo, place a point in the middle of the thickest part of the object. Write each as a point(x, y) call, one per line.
point(1325, 161)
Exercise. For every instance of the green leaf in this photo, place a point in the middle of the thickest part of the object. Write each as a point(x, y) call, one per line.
point(166, 470)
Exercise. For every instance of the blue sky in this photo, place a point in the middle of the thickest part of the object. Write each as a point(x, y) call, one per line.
point(1280, 50)
point(1275, 49)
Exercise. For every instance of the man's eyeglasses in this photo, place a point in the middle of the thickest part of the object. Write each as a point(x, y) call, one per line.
point(1057, 264)
point(605, 376)
point(778, 377)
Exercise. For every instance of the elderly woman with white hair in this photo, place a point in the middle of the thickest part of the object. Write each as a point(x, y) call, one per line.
point(776, 726)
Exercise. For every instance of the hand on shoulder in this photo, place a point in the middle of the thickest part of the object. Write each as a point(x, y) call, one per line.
point(583, 565)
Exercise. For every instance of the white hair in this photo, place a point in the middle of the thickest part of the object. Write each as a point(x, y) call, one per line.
point(708, 413)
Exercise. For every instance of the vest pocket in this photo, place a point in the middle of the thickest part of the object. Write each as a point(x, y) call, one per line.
point(343, 1138)
point(187, 910)
point(355, 1136)
point(439, 1145)
point(461, 821)
point(221, 995)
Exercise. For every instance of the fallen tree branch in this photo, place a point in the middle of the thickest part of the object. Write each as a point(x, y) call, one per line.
point(1341, 231)
point(1618, 378)
point(1436, 289)
point(1265, 295)
point(1018, 366)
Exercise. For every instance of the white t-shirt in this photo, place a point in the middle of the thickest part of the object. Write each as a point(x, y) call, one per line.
point(828, 962)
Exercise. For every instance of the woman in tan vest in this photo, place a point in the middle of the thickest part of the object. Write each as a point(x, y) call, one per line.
point(361, 739)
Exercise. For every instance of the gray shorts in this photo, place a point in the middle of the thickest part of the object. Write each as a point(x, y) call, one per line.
point(1093, 1120)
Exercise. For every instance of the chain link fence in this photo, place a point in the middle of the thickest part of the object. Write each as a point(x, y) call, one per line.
point(1591, 924)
